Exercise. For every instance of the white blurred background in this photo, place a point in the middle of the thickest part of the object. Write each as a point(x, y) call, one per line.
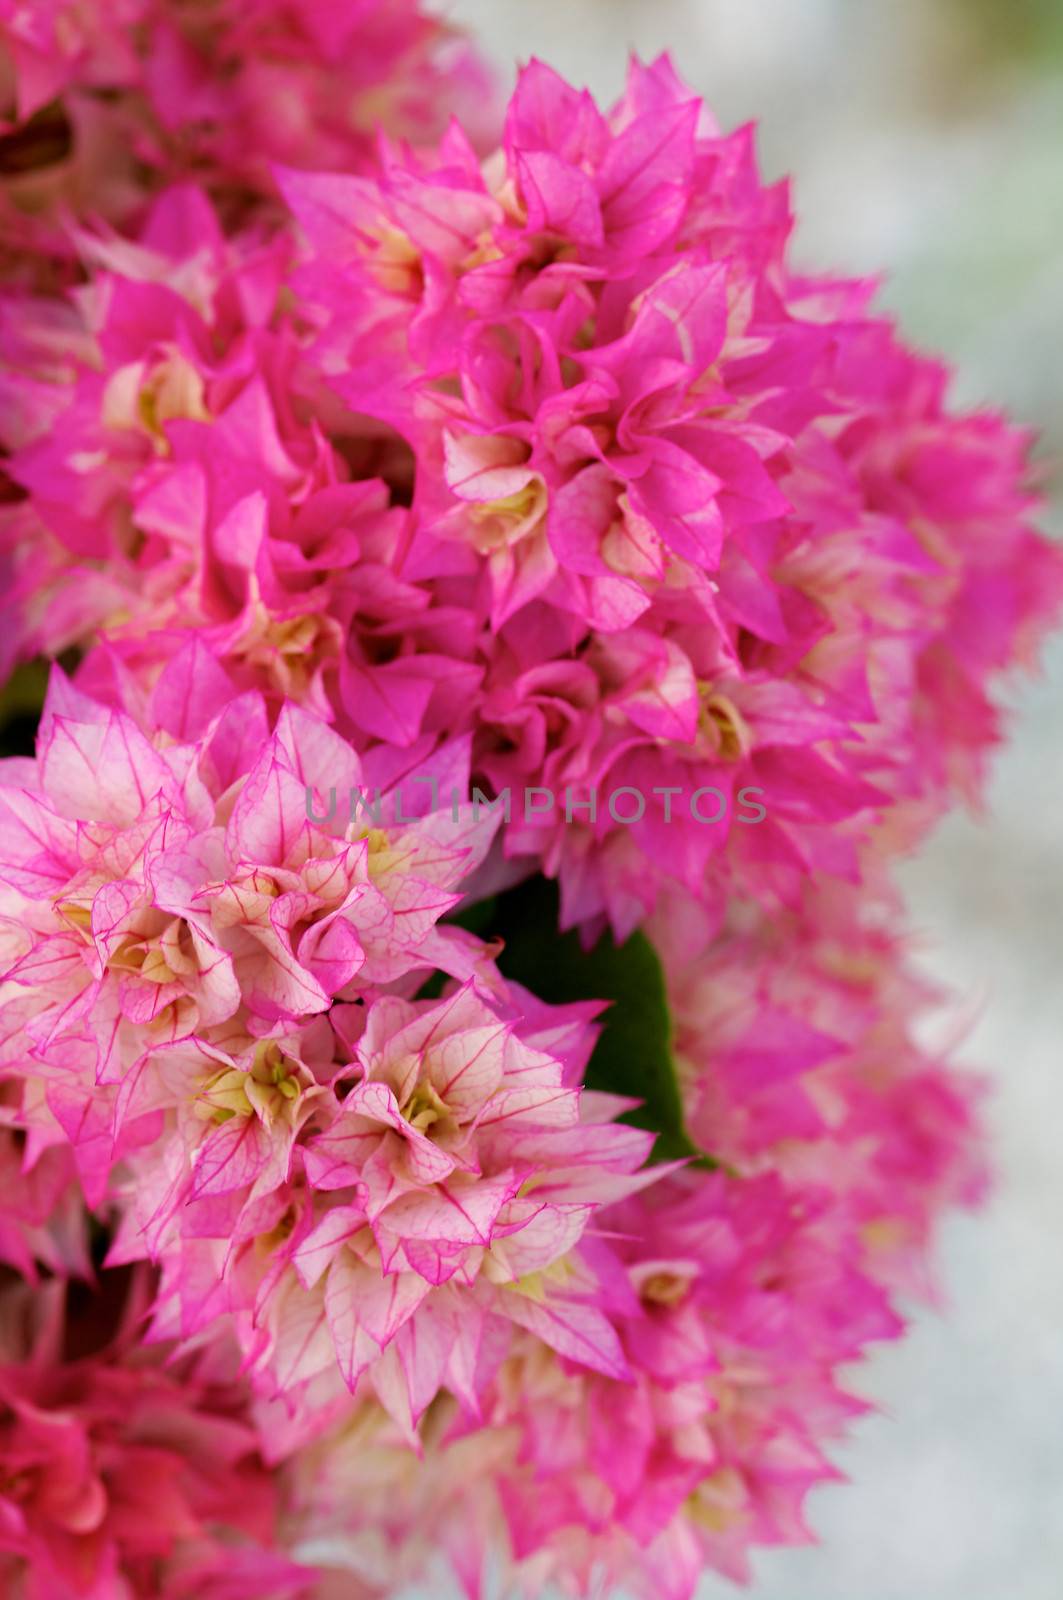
point(925, 138)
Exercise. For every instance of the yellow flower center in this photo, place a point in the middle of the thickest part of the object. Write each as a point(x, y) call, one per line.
point(424, 1108)
point(720, 1502)
point(723, 728)
point(665, 1288)
point(271, 1084)
point(502, 522)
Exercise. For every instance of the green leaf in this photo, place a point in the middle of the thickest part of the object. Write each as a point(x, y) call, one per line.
point(479, 918)
point(633, 1056)
point(21, 699)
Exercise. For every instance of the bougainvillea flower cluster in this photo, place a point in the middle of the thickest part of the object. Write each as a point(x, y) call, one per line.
point(408, 510)
point(106, 102)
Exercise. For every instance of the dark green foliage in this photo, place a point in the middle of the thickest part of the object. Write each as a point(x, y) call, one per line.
point(633, 1056)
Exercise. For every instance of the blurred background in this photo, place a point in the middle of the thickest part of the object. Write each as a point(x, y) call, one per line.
point(925, 137)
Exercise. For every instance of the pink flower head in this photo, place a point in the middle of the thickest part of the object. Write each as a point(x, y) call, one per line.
point(157, 891)
point(103, 102)
point(723, 1295)
point(796, 1046)
point(732, 1338)
point(120, 1476)
point(173, 479)
point(433, 1205)
point(723, 531)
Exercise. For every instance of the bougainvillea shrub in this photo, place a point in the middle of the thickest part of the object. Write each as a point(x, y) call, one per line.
point(463, 1096)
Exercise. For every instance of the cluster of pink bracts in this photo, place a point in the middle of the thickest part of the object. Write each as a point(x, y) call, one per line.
point(343, 448)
